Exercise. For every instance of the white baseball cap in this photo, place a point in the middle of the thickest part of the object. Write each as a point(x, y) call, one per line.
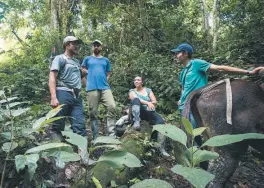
point(70, 39)
point(97, 41)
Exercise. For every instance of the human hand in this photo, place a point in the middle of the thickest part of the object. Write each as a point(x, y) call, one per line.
point(256, 70)
point(150, 106)
point(179, 102)
point(54, 102)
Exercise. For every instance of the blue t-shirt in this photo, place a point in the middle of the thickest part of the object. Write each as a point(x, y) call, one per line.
point(97, 72)
point(193, 77)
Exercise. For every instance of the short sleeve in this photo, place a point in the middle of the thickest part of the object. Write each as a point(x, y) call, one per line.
point(108, 65)
point(55, 66)
point(85, 63)
point(201, 65)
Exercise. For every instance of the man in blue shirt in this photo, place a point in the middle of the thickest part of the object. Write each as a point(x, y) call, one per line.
point(194, 73)
point(98, 89)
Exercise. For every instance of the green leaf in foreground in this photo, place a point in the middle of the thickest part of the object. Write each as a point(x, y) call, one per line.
point(187, 125)
point(226, 139)
point(65, 156)
point(120, 158)
point(54, 111)
point(150, 183)
point(75, 139)
point(106, 140)
point(204, 155)
point(30, 161)
point(7, 146)
point(198, 131)
point(172, 132)
point(46, 147)
point(32, 164)
point(20, 161)
point(197, 177)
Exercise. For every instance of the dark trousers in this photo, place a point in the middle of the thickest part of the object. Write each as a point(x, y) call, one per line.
point(73, 107)
point(143, 114)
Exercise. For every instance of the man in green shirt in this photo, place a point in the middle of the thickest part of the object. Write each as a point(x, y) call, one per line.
point(194, 73)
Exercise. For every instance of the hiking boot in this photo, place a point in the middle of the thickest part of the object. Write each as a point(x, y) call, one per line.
point(136, 125)
point(110, 126)
point(161, 145)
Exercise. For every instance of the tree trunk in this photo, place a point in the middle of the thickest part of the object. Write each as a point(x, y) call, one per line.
point(205, 20)
point(54, 19)
point(143, 19)
point(215, 25)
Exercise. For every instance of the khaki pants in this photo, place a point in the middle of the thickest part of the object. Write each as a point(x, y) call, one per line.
point(94, 98)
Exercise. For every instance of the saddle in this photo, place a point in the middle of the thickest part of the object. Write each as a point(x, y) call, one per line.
point(228, 97)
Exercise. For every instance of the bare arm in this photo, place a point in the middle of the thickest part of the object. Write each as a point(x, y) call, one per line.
point(151, 105)
point(84, 81)
point(223, 68)
point(152, 98)
point(108, 75)
point(52, 87)
point(84, 72)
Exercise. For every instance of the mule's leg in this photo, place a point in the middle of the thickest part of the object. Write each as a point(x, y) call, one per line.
point(258, 145)
point(224, 166)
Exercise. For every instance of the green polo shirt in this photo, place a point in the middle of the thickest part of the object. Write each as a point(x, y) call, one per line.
point(193, 77)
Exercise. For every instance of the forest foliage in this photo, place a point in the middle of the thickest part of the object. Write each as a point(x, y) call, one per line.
point(137, 37)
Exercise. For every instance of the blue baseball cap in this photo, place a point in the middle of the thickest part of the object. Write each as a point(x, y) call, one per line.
point(183, 47)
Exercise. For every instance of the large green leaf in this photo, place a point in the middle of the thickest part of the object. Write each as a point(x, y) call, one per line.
point(203, 155)
point(32, 164)
point(37, 126)
point(19, 111)
point(172, 132)
point(11, 105)
point(106, 140)
point(65, 156)
point(121, 158)
point(226, 139)
point(112, 164)
point(198, 131)
point(1, 118)
point(187, 125)
point(20, 161)
point(30, 161)
point(6, 135)
point(116, 147)
point(8, 100)
point(75, 139)
point(7, 146)
point(151, 183)
point(46, 147)
point(197, 177)
point(53, 112)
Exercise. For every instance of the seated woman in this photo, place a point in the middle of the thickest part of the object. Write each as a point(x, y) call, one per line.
point(143, 103)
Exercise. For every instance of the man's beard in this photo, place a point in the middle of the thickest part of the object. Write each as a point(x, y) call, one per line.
point(96, 51)
point(74, 52)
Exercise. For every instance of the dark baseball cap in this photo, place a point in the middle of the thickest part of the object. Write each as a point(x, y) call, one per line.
point(183, 47)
